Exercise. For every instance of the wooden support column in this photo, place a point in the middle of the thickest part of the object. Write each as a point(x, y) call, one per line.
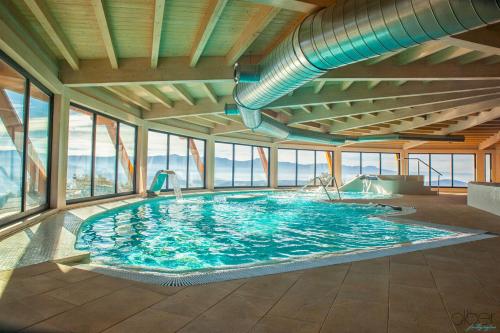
point(210, 163)
point(337, 165)
point(480, 167)
point(273, 174)
point(403, 162)
point(142, 159)
point(59, 159)
point(495, 170)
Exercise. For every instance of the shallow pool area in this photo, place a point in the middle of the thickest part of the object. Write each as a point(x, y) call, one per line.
point(211, 232)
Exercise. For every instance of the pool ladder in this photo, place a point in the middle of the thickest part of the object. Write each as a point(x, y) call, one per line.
point(324, 184)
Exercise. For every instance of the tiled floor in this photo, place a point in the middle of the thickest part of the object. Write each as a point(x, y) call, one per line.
point(427, 291)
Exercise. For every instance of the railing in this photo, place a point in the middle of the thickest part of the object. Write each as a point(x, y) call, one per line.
point(428, 166)
point(324, 185)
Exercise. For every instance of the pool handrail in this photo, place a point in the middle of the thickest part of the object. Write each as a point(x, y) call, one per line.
point(429, 166)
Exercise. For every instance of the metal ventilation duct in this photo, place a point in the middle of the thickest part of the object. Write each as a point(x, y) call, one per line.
point(345, 33)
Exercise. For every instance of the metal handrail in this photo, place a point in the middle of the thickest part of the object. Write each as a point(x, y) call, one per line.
point(429, 166)
point(325, 185)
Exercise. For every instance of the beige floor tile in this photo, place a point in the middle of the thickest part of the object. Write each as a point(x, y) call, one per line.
point(272, 286)
point(19, 314)
point(306, 301)
point(412, 258)
point(16, 289)
point(106, 311)
point(192, 301)
point(150, 321)
point(356, 316)
point(275, 324)
point(70, 274)
point(412, 275)
point(87, 290)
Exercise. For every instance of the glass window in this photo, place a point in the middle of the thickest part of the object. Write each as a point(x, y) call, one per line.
point(287, 167)
point(102, 148)
point(305, 166)
point(418, 168)
point(79, 172)
point(177, 159)
point(260, 168)
point(157, 154)
point(389, 164)
point(196, 163)
point(242, 166)
point(126, 158)
point(324, 164)
point(105, 156)
point(442, 164)
point(223, 165)
point(351, 166)
point(12, 95)
point(38, 149)
point(370, 163)
point(487, 168)
point(464, 169)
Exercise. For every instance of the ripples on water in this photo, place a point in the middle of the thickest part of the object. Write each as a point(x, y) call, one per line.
point(206, 232)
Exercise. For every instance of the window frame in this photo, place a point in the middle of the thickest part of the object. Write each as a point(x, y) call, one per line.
point(452, 171)
point(30, 80)
point(332, 154)
point(168, 134)
point(251, 165)
point(380, 153)
point(93, 197)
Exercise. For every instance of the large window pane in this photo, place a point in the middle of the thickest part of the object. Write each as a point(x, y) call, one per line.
point(38, 149)
point(126, 158)
point(260, 166)
point(464, 169)
point(242, 166)
point(370, 163)
point(11, 140)
point(305, 166)
point(351, 166)
point(223, 165)
point(178, 159)
point(390, 164)
point(415, 167)
point(487, 168)
point(157, 154)
point(324, 163)
point(287, 171)
point(79, 154)
point(442, 164)
point(196, 163)
point(105, 156)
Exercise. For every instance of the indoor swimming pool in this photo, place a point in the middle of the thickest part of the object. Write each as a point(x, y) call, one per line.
point(224, 231)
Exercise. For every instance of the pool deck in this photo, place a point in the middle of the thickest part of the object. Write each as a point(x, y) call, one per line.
point(424, 291)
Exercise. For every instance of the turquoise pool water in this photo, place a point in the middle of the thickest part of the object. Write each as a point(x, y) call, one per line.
point(208, 232)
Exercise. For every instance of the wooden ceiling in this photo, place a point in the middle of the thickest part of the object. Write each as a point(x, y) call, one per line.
point(172, 60)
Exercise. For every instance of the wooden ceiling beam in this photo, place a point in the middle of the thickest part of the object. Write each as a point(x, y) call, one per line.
point(159, 13)
point(472, 121)
point(334, 93)
point(252, 30)
point(105, 32)
point(203, 106)
point(486, 40)
point(341, 110)
point(157, 95)
point(183, 94)
point(209, 91)
point(492, 140)
point(206, 28)
point(439, 117)
point(214, 69)
point(293, 5)
point(52, 28)
point(129, 96)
